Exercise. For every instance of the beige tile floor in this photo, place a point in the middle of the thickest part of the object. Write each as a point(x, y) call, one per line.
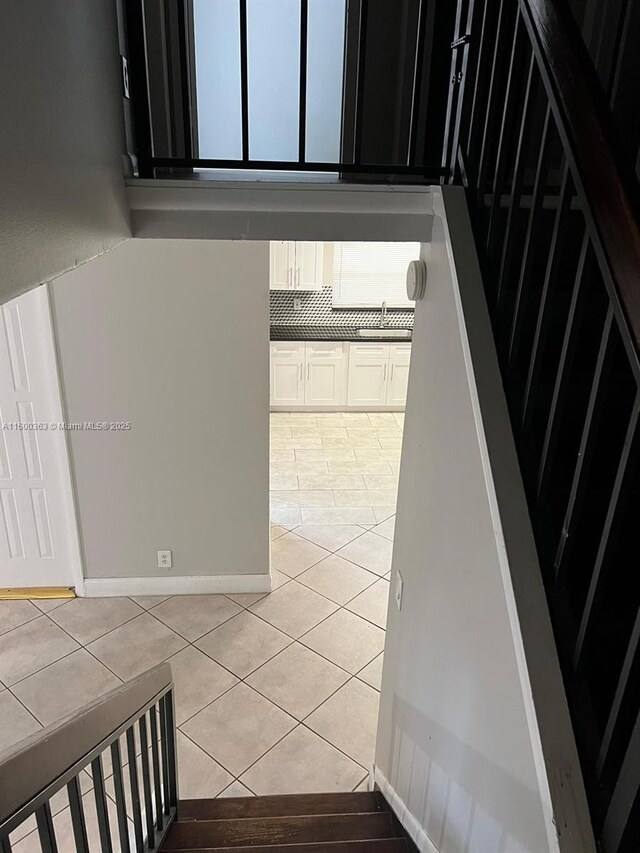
point(274, 693)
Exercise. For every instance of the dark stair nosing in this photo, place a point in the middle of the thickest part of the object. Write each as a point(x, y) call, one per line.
point(281, 805)
point(375, 845)
point(248, 832)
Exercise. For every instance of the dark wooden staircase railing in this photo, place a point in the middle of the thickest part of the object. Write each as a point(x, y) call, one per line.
point(553, 199)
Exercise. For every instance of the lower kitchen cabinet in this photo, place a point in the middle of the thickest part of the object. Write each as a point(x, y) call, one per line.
point(334, 375)
point(368, 368)
point(325, 377)
point(398, 374)
point(287, 374)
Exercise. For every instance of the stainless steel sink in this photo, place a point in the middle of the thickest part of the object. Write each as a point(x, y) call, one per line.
point(384, 333)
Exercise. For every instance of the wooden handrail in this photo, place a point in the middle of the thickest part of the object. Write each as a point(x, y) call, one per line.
point(584, 121)
point(36, 762)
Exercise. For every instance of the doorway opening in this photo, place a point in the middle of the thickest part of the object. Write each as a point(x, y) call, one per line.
point(340, 348)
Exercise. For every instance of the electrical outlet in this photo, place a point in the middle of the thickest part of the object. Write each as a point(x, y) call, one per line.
point(165, 560)
point(399, 589)
point(297, 303)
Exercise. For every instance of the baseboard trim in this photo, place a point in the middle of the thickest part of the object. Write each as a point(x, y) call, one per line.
point(401, 811)
point(178, 585)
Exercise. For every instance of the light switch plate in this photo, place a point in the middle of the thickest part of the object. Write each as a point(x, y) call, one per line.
point(399, 590)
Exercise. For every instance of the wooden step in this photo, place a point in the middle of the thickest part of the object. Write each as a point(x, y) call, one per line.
point(248, 832)
point(281, 805)
point(376, 845)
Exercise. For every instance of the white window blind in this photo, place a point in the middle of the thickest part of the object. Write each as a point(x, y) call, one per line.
point(368, 274)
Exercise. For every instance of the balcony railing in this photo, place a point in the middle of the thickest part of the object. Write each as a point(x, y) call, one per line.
point(177, 98)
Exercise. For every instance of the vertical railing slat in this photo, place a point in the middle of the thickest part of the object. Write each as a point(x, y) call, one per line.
point(555, 256)
point(155, 758)
point(165, 757)
point(448, 154)
point(78, 822)
point(302, 99)
point(100, 797)
point(511, 106)
point(493, 103)
point(595, 409)
point(185, 81)
point(418, 67)
point(136, 807)
point(625, 797)
point(121, 803)
point(530, 243)
point(46, 831)
point(244, 79)
point(170, 717)
point(362, 58)
point(508, 244)
point(480, 46)
point(622, 485)
point(462, 104)
point(146, 778)
point(629, 677)
point(563, 375)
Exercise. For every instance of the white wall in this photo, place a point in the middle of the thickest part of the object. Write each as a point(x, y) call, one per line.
point(172, 336)
point(474, 743)
point(62, 197)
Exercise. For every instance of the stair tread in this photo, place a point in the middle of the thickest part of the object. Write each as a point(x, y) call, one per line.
point(375, 845)
point(281, 805)
point(265, 831)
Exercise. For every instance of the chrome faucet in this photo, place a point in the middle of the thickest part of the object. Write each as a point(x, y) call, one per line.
point(383, 315)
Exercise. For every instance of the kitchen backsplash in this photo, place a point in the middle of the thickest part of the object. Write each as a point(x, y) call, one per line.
point(317, 310)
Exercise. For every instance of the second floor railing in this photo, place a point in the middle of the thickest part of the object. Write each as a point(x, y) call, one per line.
point(554, 208)
point(125, 743)
point(166, 110)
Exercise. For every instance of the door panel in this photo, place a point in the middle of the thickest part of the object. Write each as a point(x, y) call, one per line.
point(38, 536)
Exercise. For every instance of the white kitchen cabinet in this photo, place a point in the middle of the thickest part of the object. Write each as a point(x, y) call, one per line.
point(295, 265)
point(333, 375)
point(309, 265)
point(398, 374)
point(281, 264)
point(368, 369)
point(287, 374)
point(325, 373)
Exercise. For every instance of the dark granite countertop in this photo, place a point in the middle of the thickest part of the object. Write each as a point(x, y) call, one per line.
point(327, 333)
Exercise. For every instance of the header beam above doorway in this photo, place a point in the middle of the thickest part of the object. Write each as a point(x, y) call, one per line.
point(239, 210)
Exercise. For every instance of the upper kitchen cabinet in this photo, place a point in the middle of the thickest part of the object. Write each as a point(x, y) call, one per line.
point(295, 265)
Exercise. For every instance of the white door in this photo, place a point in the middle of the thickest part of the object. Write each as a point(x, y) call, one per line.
point(399, 358)
point(281, 265)
point(308, 265)
point(368, 369)
point(325, 370)
point(38, 536)
point(287, 374)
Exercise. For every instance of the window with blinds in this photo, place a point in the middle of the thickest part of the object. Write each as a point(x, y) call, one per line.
point(368, 274)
